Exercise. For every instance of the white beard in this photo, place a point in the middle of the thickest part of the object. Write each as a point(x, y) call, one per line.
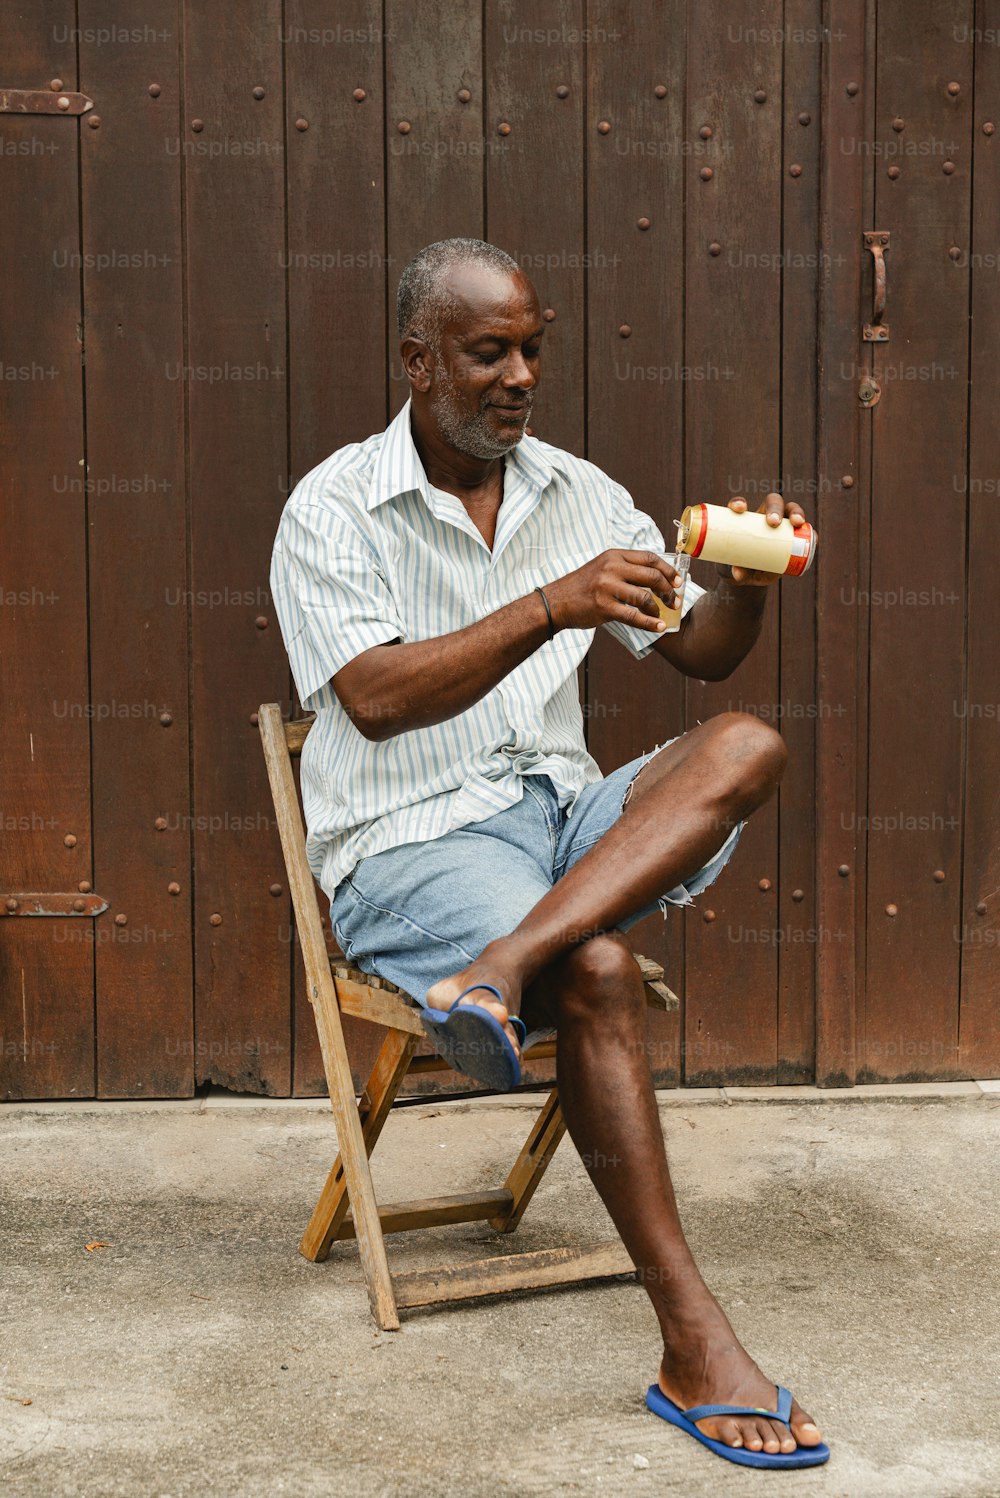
point(468, 434)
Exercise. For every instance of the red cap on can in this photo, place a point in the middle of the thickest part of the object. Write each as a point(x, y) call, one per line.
point(803, 550)
point(699, 540)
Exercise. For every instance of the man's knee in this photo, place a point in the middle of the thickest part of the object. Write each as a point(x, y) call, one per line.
point(598, 976)
point(752, 751)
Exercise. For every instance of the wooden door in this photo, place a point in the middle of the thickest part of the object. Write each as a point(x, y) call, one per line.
point(199, 306)
point(47, 1034)
point(908, 787)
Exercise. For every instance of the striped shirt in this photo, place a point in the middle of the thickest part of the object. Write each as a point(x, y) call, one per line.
point(368, 551)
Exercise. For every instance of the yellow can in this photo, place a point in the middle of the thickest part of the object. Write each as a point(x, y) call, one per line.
point(715, 533)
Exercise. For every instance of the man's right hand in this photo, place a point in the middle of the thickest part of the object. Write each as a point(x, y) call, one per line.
point(396, 687)
point(616, 585)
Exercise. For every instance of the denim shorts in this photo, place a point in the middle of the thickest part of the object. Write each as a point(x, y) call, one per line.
point(419, 912)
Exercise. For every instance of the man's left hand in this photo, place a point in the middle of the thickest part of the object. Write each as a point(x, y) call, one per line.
point(776, 508)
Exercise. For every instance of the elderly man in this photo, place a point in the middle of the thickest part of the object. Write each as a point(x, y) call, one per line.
point(437, 586)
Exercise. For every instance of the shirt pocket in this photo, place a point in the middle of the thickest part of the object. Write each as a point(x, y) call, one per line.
point(434, 589)
point(547, 561)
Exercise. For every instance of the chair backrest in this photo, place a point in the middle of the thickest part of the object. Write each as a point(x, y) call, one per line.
point(296, 733)
point(282, 741)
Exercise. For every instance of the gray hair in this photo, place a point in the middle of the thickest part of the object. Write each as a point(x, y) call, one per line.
point(423, 306)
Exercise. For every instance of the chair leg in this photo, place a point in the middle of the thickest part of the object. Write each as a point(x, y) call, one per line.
point(357, 1174)
point(323, 995)
point(390, 1068)
point(530, 1165)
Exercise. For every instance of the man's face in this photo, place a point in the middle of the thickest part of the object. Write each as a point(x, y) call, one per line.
point(485, 372)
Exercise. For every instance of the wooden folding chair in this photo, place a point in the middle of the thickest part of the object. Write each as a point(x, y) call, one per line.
point(347, 1207)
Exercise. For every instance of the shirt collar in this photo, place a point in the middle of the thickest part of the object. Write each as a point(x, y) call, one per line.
point(398, 469)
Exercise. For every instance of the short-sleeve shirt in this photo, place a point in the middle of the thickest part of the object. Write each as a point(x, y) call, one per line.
point(368, 551)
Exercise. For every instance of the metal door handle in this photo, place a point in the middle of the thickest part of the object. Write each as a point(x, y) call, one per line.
point(877, 331)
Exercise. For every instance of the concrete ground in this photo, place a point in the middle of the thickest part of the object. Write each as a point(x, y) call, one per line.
point(853, 1239)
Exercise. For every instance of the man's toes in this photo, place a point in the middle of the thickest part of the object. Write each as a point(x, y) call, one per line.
point(772, 1435)
point(804, 1428)
point(726, 1431)
point(752, 1438)
point(807, 1434)
point(764, 1433)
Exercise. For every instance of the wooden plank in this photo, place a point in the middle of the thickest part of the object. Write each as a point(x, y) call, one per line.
point(235, 384)
point(389, 1069)
point(502, 1276)
point(357, 975)
point(792, 897)
point(659, 996)
point(863, 574)
point(979, 934)
point(133, 299)
point(336, 270)
point(362, 1044)
point(635, 326)
point(839, 678)
point(651, 970)
point(733, 349)
point(918, 550)
point(378, 1009)
point(46, 966)
point(529, 1167)
point(296, 731)
point(336, 255)
point(434, 143)
point(534, 102)
point(434, 175)
point(541, 226)
point(434, 1211)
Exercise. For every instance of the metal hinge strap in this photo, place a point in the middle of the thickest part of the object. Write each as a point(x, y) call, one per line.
point(42, 101)
point(35, 903)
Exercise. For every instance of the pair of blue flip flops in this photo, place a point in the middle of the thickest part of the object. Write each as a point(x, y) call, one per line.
point(473, 1041)
point(802, 1456)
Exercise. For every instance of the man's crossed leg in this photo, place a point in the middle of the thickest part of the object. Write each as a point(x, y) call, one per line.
point(566, 964)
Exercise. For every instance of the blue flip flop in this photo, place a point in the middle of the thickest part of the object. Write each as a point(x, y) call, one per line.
point(473, 1041)
point(802, 1456)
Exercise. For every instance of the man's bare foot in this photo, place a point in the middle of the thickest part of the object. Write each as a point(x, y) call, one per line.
point(489, 967)
point(704, 1363)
